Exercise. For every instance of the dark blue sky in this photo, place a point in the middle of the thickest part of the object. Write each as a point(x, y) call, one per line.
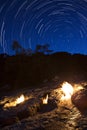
point(61, 23)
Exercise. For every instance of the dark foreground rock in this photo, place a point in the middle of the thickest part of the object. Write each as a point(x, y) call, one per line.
point(27, 109)
point(48, 107)
point(79, 99)
point(13, 115)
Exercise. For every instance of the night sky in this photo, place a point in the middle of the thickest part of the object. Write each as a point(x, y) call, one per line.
point(61, 23)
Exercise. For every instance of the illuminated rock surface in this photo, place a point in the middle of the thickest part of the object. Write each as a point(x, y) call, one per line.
point(80, 100)
point(32, 115)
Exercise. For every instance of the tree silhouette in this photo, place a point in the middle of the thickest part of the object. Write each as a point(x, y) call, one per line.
point(38, 48)
point(43, 48)
point(17, 47)
point(20, 50)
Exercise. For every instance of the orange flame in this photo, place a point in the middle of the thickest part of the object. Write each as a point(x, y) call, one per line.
point(67, 90)
point(45, 100)
point(14, 103)
point(20, 99)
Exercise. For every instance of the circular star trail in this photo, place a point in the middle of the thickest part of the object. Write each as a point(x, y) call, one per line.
point(60, 23)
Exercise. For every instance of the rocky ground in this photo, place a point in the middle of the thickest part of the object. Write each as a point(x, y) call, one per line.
point(33, 115)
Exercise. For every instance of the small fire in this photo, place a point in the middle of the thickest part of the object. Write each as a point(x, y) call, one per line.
point(45, 100)
point(20, 99)
point(16, 102)
point(67, 90)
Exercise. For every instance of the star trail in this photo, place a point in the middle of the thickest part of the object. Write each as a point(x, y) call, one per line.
point(60, 23)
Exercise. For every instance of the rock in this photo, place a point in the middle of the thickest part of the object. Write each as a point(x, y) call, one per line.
point(29, 108)
point(7, 121)
point(79, 99)
point(23, 114)
point(21, 111)
point(48, 107)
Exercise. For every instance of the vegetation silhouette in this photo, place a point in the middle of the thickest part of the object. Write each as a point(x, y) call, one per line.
point(19, 50)
point(16, 47)
point(43, 49)
point(30, 69)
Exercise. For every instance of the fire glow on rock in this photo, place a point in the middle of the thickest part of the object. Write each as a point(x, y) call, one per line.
point(14, 103)
point(64, 95)
point(67, 90)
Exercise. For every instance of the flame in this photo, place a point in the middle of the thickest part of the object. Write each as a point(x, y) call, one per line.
point(45, 100)
point(20, 99)
point(16, 102)
point(67, 90)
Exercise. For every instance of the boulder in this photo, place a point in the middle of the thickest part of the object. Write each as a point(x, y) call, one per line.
point(79, 99)
point(21, 111)
point(47, 107)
